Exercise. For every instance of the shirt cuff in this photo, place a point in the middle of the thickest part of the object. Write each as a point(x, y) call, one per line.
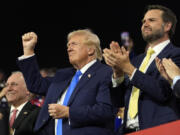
point(131, 77)
point(117, 81)
point(69, 122)
point(25, 57)
point(176, 78)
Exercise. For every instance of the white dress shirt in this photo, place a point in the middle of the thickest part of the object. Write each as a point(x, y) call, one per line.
point(18, 108)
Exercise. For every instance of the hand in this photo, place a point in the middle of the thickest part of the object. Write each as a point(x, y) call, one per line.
point(29, 41)
point(171, 68)
point(11, 131)
point(3, 92)
point(58, 111)
point(121, 112)
point(118, 60)
point(162, 70)
point(115, 48)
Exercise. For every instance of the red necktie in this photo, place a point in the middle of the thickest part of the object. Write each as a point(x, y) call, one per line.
point(13, 117)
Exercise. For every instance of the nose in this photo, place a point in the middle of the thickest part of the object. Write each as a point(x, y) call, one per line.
point(9, 87)
point(69, 48)
point(146, 23)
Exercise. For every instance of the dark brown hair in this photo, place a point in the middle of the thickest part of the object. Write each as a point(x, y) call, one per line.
point(167, 16)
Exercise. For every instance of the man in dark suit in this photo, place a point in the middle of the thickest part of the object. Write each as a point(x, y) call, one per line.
point(22, 114)
point(149, 100)
point(171, 72)
point(4, 124)
point(88, 109)
point(4, 114)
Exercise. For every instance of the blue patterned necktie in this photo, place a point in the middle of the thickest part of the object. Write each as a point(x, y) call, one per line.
point(67, 97)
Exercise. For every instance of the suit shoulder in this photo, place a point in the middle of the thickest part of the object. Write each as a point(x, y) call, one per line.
point(173, 51)
point(33, 107)
point(63, 73)
point(65, 70)
point(176, 49)
point(105, 67)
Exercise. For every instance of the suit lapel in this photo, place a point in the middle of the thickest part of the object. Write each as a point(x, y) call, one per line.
point(137, 62)
point(161, 55)
point(22, 115)
point(90, 73)
point(59, 89)
point(165, 51)
point(60, 86)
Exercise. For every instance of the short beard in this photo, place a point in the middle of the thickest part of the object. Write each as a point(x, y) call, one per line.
point(154, 36)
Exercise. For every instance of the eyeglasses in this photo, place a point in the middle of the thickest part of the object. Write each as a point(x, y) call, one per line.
point(11, 84)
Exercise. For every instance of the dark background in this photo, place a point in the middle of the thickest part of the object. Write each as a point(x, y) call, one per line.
point(52, 21)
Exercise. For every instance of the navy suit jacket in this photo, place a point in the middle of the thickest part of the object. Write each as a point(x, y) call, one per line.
point(90, 103)
point(157, 102)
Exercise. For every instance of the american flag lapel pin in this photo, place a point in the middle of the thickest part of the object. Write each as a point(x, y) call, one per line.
point(89, 75)
point(25, 113)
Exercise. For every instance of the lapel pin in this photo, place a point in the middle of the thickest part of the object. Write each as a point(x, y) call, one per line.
point(25, 113)
point(89, 75)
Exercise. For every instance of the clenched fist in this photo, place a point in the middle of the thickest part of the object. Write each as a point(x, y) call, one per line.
point(29, 41)
point(58, 111)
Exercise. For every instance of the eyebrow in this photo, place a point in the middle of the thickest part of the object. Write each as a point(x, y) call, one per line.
point(11, 83)
point(151, 18)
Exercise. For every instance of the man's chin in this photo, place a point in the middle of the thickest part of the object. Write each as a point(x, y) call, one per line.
point(145, 35)
point(71, 61)
point(10, 101)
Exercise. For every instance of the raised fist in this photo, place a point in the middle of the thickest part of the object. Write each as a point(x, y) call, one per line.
point(29, 41)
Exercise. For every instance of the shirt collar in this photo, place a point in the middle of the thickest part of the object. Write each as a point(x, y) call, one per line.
point(159, 47)
point(19, 108)
point(85, 68)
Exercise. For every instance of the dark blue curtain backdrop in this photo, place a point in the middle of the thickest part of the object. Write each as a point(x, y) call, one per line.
point(52, 21)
